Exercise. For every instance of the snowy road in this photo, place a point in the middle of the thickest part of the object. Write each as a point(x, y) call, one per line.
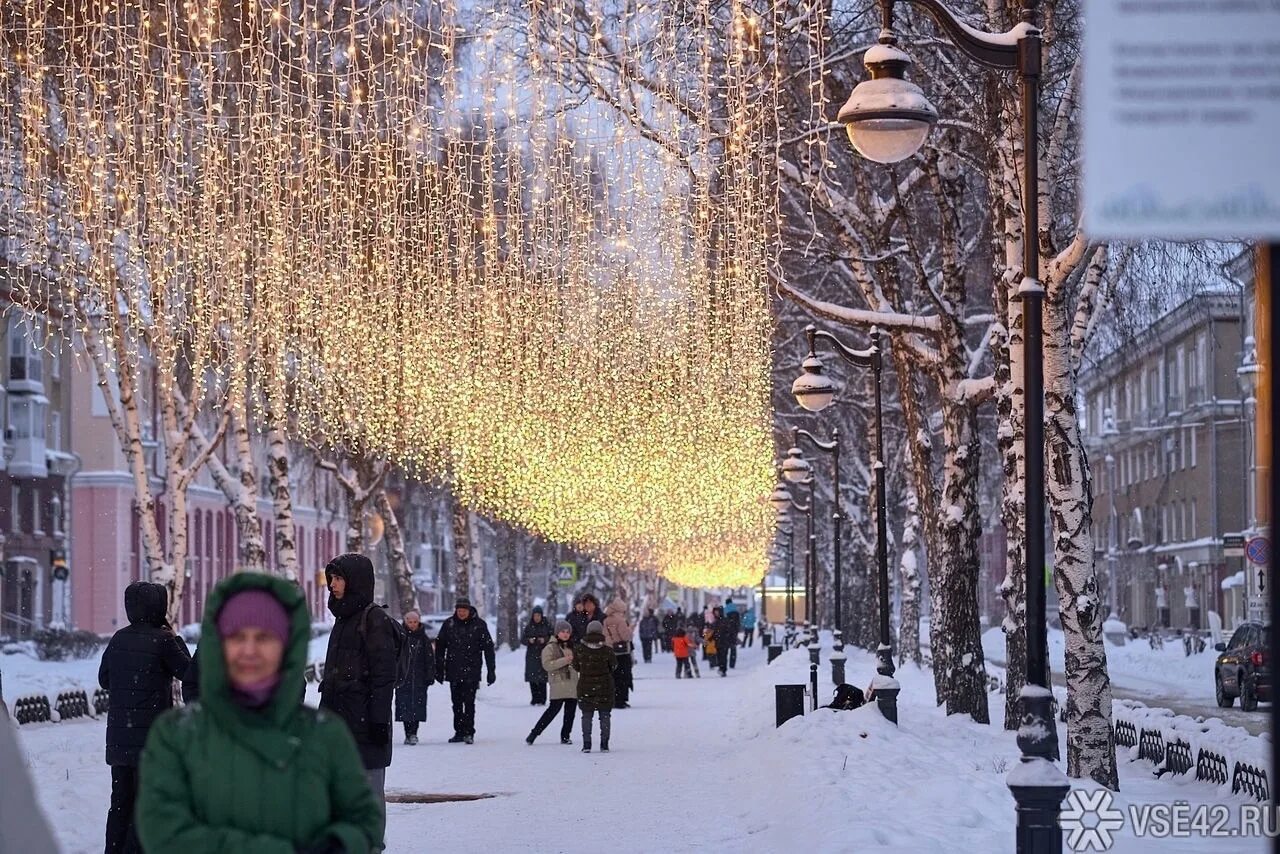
point(695, 766)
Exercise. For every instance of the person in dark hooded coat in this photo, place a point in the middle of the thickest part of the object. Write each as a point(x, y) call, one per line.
point(411, 695)
point(595, 662)
point(591, 610)
point(535, 637)
point(138, 668)
point(360, 665)
point(463, 641)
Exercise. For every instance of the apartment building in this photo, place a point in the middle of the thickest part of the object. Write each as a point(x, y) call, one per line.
point(1165, 432)
point(35, 469)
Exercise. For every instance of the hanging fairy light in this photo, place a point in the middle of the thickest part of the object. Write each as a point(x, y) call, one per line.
point(434, 250)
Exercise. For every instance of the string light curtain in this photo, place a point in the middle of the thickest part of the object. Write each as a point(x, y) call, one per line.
point(425, 230)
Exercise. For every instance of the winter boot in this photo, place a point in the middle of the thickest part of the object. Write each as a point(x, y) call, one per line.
point(566, 740)
point(457, 738)
point(529, 739)
point(470, 739)
point(586, 745)
point(604, 745)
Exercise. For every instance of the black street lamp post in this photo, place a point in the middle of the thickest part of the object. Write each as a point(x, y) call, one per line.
point(887, 119)
point(783, 503)
point(815, 391)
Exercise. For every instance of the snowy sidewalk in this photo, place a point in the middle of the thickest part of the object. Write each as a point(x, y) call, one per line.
point(695, 765)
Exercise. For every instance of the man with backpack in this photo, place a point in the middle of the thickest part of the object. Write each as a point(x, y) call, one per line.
point(362, 666)
point(462, 640)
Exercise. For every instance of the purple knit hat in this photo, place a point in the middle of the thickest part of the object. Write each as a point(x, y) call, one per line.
point(256, 608)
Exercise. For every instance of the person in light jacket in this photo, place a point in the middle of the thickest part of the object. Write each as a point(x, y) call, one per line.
point(618, 634)
point(562, 683)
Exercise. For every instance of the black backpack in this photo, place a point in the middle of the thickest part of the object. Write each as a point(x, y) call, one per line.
point(404, 653)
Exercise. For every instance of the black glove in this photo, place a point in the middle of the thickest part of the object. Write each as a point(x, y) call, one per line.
point(380, 734)
point(493, 677)
point(328, 845)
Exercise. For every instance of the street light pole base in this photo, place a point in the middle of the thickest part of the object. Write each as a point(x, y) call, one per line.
point(1038, 787)
point(886, 690)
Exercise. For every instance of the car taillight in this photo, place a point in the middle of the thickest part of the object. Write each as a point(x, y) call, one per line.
point(1256, 658)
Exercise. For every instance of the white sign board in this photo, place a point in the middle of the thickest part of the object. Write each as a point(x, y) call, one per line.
point(1182, 118)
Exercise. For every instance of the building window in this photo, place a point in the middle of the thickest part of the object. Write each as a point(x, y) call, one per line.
point(1191, 534)
point(25, 364)
point(15, 509)
point(55, 431)
point(1192, 443)
point(37, 511)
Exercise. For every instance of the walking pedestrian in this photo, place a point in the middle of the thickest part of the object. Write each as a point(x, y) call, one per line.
point(694, 637)
point(648, 634)
point(360, 668)
point(749, 626)
point(669, 627)
point(618, 633)
point(535, 637)
point(680, 646)
point(708, 615)
point(562, 679)
point(411, 695)
point(137, 670)
point(248, 767)
point(722, 628)
point(463, 641)
point(595, 663)
point(580, 618)
point(734, 619)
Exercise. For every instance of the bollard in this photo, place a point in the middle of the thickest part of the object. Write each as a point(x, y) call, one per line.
point(788, 702)
point(837, 668)
point(815, 654)
point(886, 690)
point(813, 683)
point(775, 650)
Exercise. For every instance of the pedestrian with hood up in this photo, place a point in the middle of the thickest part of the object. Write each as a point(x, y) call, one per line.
point(535, 637)
point(580, 618)
point(618, 633)
point(648, 634)
point(595, 663)
point(562, 679)
point(138, 668)
point(360, 666)
point(248, 767)
point(462, 643)
point(411, 694)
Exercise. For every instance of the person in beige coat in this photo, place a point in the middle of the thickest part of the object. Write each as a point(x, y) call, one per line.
point(562, 684)
point(618, 634)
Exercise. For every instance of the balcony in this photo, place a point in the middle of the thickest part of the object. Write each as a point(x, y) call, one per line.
point(25, 438)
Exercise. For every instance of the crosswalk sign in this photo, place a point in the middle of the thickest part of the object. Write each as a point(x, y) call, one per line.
point(566, 574)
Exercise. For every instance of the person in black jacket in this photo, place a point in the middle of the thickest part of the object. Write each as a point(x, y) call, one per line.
point(535, 637)
point(138, 668)
point(648, 634)
point(669, 627)
point(590, 611)
point(463, 640)
point(726, 637)
point(411, 695)
point(360, 666)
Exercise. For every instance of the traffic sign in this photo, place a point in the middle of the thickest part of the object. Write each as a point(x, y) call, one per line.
point(1258, 550)
point(1233, 545)
point(567, 574)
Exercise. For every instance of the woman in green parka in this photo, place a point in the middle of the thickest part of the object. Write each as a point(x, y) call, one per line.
point(248, 768)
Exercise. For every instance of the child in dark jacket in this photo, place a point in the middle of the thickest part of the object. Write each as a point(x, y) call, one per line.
point(680, 646)
point(595, 662)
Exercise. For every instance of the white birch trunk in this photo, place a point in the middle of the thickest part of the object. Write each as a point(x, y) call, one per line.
point(286, 544)
point(252, 551)
point(397, 556)
point(461, 522)
point(909, 575)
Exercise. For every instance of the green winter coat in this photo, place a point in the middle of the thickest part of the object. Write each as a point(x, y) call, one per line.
point(218, 777)
point(595, 663)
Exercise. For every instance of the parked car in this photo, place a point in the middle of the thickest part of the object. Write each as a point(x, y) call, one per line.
point(1241, 669)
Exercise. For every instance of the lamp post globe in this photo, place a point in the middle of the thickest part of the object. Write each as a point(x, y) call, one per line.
point(887, 117)
point(780, 498)
point(795, 468)
point(813, 389)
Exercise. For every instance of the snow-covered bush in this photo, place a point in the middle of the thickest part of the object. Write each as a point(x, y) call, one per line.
point(61, 645)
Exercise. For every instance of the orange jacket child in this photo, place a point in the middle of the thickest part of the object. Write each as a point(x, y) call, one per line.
point(680, 646)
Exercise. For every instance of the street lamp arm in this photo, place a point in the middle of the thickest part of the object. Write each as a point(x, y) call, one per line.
point(995, 50)
point(863, 358)
point(829, 447)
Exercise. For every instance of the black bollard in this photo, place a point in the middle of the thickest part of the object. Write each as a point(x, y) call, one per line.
point(813, 683)
point(788, 702)
point(775, 650)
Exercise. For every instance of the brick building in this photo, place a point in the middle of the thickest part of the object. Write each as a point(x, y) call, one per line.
point(1165, 430)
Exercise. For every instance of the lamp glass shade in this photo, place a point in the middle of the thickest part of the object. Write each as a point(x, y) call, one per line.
point(780, 498)
point(887, 140)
